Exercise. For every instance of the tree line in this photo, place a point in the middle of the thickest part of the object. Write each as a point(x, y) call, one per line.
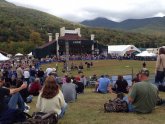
point(22, 30)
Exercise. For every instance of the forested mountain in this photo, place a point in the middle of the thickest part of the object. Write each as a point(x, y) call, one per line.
point(22, 29)
point(17, 23)
point(154, 25)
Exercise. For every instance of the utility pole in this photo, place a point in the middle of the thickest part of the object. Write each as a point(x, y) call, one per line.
point(67, 55)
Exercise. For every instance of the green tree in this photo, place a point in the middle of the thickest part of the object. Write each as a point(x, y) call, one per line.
point(35, 37)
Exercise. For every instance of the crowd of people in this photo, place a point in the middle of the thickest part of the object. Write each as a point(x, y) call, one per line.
point(20, 81)
point(143, 95)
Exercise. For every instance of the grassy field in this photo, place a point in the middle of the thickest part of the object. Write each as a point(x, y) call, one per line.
point(88, 109)
point(110, 67)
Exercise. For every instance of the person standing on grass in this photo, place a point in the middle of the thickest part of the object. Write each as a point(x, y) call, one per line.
point(160, 64)
point(79, 85)
point(19, 72)
point(83, 80)
point(143, 95)
point(51, 99)
point(144, 66)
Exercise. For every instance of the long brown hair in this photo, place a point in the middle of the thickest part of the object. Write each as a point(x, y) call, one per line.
point(161, 50)
point(50, 89)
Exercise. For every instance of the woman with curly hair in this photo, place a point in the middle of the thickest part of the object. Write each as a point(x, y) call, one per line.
point(51, 98)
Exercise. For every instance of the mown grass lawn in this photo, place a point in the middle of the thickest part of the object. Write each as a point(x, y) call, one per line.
point(88, 109)
point(110, 67)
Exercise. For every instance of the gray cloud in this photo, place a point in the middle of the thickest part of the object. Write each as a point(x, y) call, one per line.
point(139, 12)
point(133, 9)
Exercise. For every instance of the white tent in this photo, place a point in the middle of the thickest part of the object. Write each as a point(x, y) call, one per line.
point(121, 49)
point(9, 55)
point(30, 54)
point(18, 54)
point(153, 54)
point(3, 58)
point(146, 54)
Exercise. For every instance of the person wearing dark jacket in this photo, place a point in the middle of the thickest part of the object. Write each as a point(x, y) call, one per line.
point(121, 85)
point(9, 100)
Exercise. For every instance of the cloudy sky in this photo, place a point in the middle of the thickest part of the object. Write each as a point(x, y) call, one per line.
point(79, 10)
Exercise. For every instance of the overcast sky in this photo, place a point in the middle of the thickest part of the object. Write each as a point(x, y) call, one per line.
point(79, 10)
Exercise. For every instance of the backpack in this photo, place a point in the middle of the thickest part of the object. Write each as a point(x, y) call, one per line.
point(117, 105)
point(42, 118)
point(159, 101)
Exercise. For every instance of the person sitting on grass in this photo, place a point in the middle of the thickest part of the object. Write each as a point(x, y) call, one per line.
point(9, 100)
point(79, 85)
point(69, 90)
point(51, 99)
point(121, 85)
point(35, 87)
point(143, 95)
point(103, 85)
point(136, 79)
point(94, 78)
point(24, 92)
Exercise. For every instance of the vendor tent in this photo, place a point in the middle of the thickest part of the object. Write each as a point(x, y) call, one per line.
point(120, 50)
point(18, 54)
point(153, 54)
point(30, 54)
point(3, 58)
point(146, 54)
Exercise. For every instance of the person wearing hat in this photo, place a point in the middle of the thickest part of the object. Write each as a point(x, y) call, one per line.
point(143, 96)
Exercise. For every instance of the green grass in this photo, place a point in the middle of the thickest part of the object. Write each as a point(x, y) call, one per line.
point(110, 67)
point(88, 109)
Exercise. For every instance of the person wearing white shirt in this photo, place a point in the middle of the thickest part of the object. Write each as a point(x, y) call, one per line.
point(48, 71)
point(26, 75)
point(51, 98)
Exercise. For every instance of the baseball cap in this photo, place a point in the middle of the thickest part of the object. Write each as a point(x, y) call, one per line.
point(145, 72)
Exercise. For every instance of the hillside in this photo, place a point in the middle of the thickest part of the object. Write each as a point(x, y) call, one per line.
point(22, 30)
point(154, 25)
point(18, 22)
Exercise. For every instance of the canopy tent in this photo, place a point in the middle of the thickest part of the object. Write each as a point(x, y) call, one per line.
point(9, 55)
point(153, 54)
point(121, 49)
point(18, 54)
point(146, 54)
point(30, 54)
point(3, 58)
